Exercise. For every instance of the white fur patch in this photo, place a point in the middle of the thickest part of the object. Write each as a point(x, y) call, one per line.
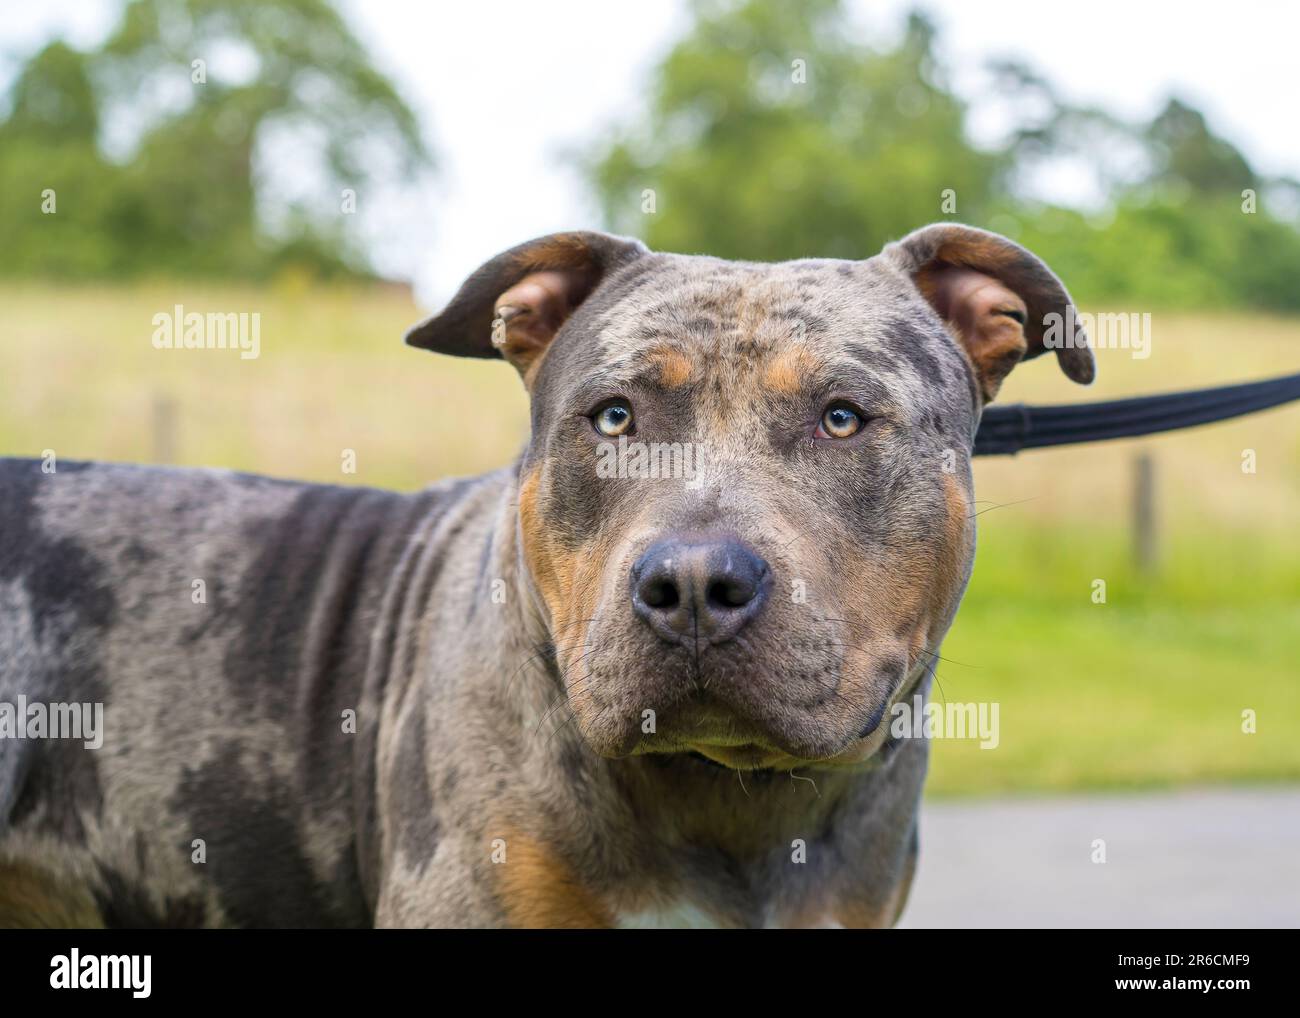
point(676, 916)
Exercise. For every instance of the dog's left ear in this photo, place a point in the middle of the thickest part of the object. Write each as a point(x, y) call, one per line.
point(513, 305)
point(1002, 302)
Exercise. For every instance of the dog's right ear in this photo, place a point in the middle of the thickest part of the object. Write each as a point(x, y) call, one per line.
point(513, 305)
point(996, 297)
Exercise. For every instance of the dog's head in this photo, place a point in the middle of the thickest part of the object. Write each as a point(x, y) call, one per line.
point(746, 505)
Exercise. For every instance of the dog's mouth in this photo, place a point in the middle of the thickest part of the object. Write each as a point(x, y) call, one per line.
point(781, 702)
point(762, 755)
point(747, 756)
point(711, 730)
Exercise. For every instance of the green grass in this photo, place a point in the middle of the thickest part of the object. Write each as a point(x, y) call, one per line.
point(1145, 690)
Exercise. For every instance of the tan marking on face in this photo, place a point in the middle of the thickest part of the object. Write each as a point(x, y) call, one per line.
point(892, 620)
point(953, 562)
point(539, 890)
point(895, 591)
point(32, 899)
point(948, 569)
point(548, 565)
point(675, 367)
point(894, 586)
point(920, 591)
point(569, 581)
point(785, 371)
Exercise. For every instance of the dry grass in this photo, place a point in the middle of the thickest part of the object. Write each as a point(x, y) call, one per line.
point(81, 377)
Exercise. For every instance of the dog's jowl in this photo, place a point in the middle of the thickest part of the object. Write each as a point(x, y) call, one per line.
point(642, 675)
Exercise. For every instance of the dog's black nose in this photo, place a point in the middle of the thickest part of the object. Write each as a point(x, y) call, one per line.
point(699, 588)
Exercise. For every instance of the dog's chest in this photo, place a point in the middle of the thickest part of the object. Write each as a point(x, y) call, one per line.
point(678, 915)
point(686, 915)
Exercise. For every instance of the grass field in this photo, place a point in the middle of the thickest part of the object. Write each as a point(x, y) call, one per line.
point(1146, 689)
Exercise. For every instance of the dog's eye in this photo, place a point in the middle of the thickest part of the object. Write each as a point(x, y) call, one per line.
point(614, 420)
point(839, 421)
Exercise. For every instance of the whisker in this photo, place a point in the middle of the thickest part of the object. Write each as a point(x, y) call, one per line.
point(800, 777)
point(572, 718)
point(541, 651)
point(560, 701)
point(948, 660)
point(934, 674)
point(859, 625)
point(1001, 505)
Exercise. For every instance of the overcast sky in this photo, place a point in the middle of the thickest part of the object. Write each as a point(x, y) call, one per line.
point(505, 87)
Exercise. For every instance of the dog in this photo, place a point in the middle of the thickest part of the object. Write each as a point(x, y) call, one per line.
point(574, 692)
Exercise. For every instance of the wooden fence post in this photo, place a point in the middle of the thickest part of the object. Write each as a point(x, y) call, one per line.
point(1145, 540)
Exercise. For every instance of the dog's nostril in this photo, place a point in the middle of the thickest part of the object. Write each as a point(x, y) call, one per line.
point(731, 593)
point(660, 594)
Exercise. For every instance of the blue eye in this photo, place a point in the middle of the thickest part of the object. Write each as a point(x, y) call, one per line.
point(839, 421)
point(614, 420)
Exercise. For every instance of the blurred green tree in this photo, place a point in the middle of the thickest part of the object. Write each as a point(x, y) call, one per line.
point(1188, 154)
point(50, 163)
point(207, 137)
point(771, 134)
point(1187, 221)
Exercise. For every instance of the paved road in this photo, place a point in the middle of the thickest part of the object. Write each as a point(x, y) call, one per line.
point(1178, 859)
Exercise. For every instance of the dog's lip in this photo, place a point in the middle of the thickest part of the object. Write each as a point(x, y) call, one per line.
point(728, 741)
point(762, 755)
point(714, 730)
point(723, 732)
point(708, 723)
point(740, 756)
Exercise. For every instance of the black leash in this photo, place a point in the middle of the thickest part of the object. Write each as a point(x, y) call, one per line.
point(1004, 431)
